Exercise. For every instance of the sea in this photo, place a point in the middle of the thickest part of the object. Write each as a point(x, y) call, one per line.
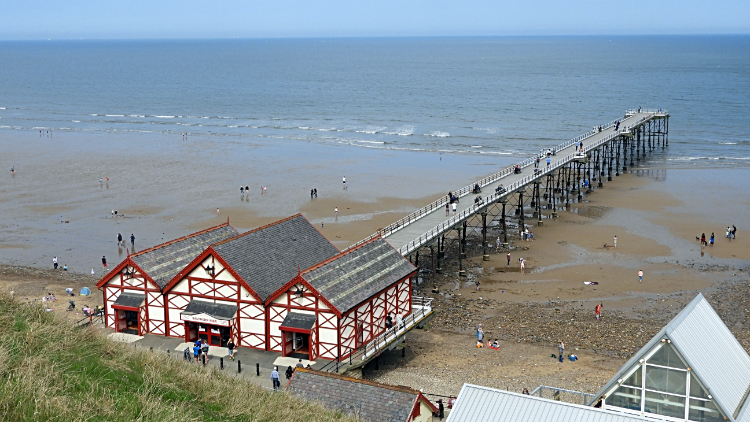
point(499, 96)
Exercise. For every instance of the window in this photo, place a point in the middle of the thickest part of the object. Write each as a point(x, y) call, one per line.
point(625, 397)
point(662, 385)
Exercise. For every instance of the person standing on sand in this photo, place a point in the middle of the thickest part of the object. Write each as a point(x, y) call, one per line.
point(336, 212)
point(561, 349)
point(703, 239)
point(344, 182)
point(734, 232)
point(132, 239)
point(119, 239)
point(480, 333)
point(316, 192)
point(598, 311)
point(615, 241)
point(523, 266)
point(104, 263)
point(712, 239)
point(507, 256)
point(640, 276)
point(497, 245)
point(54, 262)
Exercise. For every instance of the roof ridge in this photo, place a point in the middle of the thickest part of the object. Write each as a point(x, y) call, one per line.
point(339, 255)
point(399, 388)
point(173, 241)
point(257, 229)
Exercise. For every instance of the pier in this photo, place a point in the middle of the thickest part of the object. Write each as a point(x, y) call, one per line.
point(538, 187)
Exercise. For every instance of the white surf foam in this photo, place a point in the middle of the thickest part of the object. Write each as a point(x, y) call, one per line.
point(439, 134)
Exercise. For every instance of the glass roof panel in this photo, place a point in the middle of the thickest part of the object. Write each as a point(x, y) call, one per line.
point(695, 388)
point(666, 380)
point(667, 356)
point(635, 379)
point(704, 411)
point(625, 397)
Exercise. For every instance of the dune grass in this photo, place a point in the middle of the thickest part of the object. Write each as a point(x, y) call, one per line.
point(52, 371)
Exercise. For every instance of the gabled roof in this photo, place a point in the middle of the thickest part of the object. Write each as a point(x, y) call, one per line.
point(162, 262)
point(268, 257)
point(713, 354)
point(371, 401)
point(356, 275)
point(475, 403)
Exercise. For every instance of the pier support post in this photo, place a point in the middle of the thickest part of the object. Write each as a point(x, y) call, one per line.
point(520, 208)
point(463, 241)
point(505, 228)
point(432, 258)
point(461, 271)
point(485, 257)
point(416, 264)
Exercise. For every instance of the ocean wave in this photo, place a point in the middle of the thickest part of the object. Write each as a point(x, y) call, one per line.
point(76, 121)
point(114, 115)
point(706, 158)
point(727, 143)
point(371, 130)
point(372, 142)
point(165, 117)
point(439, 134)
point(489, 130)
point(136, 115)
point(407, 130)
point(476, 146)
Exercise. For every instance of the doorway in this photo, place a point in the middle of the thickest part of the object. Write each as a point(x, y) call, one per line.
point(127, 321)
point(214, 335)
point(296, 345)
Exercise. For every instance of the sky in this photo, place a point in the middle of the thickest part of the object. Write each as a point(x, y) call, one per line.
point(147, 19)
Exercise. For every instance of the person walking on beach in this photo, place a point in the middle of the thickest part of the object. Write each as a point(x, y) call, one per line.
point(316, 192)
point(640, 276)
point(54, 262)
point(119, 239)
point(311, 194)
point(104, 263)
point(598, 311)
point(497, 245)
point(275, 378)
point(561, 349)
point(703, 239)
point(712, 239)
point(615, 241)
point(480, 334)
point(242, 191)
point(336, 212)
point(523, 266)
point(507, 257)
point(734, 232)
point(132, 239)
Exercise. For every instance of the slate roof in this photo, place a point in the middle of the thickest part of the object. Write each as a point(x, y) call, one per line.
point(356, 275)
point(299, 321)
point(475, 403)
point(216, 310)
point(130, 300)
point(373, 402)
point(712, 352)
point(163, 262)
point(269, 257)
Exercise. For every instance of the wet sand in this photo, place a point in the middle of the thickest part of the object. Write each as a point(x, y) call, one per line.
point(54, 205)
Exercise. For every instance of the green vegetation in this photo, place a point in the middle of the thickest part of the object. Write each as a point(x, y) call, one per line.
point(51, 370)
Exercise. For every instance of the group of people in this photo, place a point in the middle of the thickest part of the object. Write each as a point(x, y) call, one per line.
point(731, 232)
point(121, 240)
point(275, 379)
point(706, 243)
point(389, 321)
point(55, 265)
point(313, 193)
point(527, 235)
point(480, 340)
point(451, 204)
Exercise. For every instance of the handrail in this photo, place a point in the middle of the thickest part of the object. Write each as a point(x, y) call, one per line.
point(376, 344)
point(439, 203)
point(451, 222)
point(541, 389)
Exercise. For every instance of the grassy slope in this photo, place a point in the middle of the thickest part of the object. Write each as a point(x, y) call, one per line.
point(52, 371)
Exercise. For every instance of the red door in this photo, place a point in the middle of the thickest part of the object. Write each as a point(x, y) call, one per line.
point(287, 340)
point(122, 321)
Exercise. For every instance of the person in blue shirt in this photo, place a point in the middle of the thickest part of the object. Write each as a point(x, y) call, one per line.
point(275, 378)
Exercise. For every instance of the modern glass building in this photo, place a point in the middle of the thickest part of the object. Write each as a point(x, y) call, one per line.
point(692, 370)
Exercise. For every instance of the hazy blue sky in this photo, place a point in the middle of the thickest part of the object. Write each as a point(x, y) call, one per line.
point(41, 19)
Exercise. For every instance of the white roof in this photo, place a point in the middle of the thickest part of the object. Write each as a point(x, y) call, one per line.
point(711, 351)
point(477, 403)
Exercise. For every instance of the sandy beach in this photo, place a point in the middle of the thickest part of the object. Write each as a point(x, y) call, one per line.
point(655, 211)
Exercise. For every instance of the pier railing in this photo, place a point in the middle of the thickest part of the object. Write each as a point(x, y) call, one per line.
point(474, 209)
point(421, 308)
point(440, 203)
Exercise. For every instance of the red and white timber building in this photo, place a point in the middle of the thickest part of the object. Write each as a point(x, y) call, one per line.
point(282, 287)
point(133, 298)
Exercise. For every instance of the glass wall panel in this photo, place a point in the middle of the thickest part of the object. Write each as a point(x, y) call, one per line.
point(635, 380)
point(625, 397)
point(666, 356)
point(666, 380)
point(695, 388)
point(666, 405)
point(704, 411)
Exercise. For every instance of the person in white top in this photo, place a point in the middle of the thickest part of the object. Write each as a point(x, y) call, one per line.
point(615, 242)
point(454, 208)
point(336, 211)
point(54, 262)
point(523, 266)
point(399, 321)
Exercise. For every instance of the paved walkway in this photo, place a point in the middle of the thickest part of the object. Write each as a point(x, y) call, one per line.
point(415, 229)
